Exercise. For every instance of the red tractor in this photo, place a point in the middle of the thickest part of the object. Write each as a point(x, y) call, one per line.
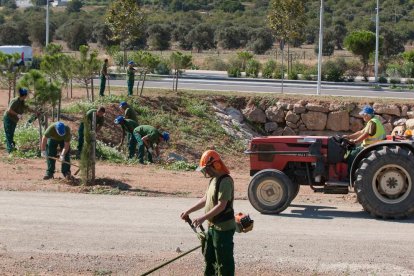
point(382, 174)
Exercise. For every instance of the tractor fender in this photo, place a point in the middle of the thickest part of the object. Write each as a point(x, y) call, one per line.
point(409, 145)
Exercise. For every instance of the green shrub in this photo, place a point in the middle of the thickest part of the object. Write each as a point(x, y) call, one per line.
point(181, 166)
point(26, 139)
point(215, 63)
point(382, 79)
point(293, 75)
point(353, 70)
point(163, 68)
point(252, 68)
point(395, 81)
point(108, 153)
point(234, 72)
point(269, 69)
point(334, 70)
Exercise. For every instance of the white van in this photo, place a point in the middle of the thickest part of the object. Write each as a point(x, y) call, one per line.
point(25, 52)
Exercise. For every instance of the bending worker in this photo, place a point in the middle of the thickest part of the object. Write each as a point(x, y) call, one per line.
point(127, 126)
point(100, 119)
point(372, 133)
point(149, 137)
point(57, 134)
point(12, 115)
point(218, 211)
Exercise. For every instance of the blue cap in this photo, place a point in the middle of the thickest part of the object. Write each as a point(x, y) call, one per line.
point(166, 136)
point(23, 91)
point(367, 110)
point(119, 119)
point(122, 104)
point(60, 128)
point(130, 62)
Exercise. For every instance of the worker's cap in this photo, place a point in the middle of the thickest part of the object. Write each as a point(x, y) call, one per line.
point(130, 62)
point(165, 136)
point(119, 119)
point(23, 91)
point(367, 110)
point(60, 128)
point(123, 104)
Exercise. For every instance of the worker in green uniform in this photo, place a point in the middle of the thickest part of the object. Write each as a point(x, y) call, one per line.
point(149, 137)
point(57, 134)
point(127, 126)
point(130, 77)
point(12, 115)
point(129, 112)
point(104, 77)
point(100, 113)
point(218, 211)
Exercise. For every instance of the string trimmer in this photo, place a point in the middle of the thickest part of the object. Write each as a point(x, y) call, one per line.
point(201, 235)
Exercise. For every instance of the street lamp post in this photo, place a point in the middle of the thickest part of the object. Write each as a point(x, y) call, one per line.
point(376, 42)
point(47, 22)
point(318, 91)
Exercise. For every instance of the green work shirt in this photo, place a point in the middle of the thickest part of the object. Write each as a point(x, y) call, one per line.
point(150, 131)
point(99, 120)
point(51, 133)
point(129, 125)
point(18, 106)
point(226, 192)
point(130, 74)
point(104, 70)
point(131, 114)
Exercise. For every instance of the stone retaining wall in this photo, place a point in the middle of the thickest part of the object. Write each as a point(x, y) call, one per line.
point(305, 118)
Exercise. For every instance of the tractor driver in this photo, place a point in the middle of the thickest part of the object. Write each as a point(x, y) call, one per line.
point(372, 133)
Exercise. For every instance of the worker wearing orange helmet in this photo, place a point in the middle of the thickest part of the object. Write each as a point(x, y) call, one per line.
point(218, 211)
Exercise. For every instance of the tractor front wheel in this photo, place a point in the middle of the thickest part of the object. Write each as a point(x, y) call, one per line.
point(270, 191)
point(385, 183)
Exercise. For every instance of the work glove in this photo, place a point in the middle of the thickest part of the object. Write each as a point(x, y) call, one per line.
point(43, 154)
point(150, 150)
point(62, 157)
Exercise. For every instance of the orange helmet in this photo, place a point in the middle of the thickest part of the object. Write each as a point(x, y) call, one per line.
point(212, 158)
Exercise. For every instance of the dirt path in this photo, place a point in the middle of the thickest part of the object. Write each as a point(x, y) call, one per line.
point(78, 234)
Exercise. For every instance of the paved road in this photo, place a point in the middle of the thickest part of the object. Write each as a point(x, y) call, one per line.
point(308, 238)
point(271, 87)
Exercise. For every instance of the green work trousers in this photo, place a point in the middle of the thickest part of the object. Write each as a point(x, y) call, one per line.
point(103, 85)
point(51, 150)
point(130, 87)
point(80, 138)
point(9, 129)
point(351, 157)
point(141, 149)
point(132, 145)
point(218, 253)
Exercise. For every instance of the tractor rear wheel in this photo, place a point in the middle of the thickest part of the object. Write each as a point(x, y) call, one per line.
point(385, 183)
point(270, 191)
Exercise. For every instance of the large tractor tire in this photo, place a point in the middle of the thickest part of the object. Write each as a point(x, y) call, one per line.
point(385, 183)
point(270, 191)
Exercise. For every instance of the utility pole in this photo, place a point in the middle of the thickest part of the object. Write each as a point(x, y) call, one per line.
point(318, 90)
point(47, 22)
point(376, 42)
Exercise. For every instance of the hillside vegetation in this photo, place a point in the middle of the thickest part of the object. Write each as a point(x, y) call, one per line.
point(227, 24)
